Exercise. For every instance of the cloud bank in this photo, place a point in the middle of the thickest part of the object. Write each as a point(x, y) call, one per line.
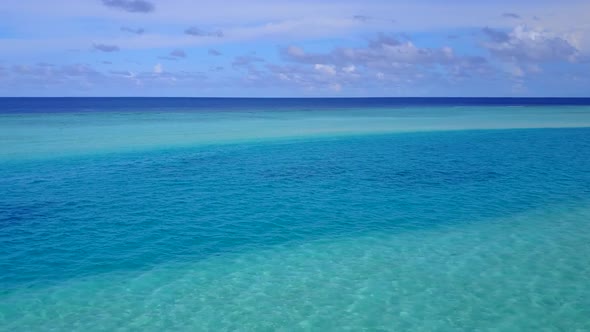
point(198, 32)
point(106, 48)
point(132, 6)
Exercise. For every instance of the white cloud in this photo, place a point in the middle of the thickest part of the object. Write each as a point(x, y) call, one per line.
point(279, 20)
point(419, 14)
point(349, 69)
point(295, 51)
point(387, 54)
point(562, 34)
point(525, 44)
point(325, 69)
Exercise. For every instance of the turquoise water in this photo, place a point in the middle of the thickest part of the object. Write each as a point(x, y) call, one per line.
point(82, 131)
point(418, 218)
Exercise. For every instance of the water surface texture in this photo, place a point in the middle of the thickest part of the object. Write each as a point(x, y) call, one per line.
point(312, 215)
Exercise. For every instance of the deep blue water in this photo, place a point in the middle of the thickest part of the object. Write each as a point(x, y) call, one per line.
point(171, 236)
point(142, 104)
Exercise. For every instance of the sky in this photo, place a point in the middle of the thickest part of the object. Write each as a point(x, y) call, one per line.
point(262, 48)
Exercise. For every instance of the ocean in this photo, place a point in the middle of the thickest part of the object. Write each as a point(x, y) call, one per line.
point(377, 214)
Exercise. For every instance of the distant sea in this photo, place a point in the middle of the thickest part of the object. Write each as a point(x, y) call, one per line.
point(375, 214)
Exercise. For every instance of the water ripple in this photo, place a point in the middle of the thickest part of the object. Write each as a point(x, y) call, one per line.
point(344, 205)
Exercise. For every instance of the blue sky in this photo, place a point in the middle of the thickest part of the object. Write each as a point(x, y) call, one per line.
point(301, 48)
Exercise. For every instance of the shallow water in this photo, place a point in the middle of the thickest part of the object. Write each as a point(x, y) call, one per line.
point(81, 131)
point(503, 274)
point(368, 229)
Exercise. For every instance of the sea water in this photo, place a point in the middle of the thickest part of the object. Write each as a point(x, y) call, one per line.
point(315, 215)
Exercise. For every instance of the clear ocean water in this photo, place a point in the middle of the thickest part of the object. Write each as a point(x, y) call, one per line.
point(294, 214)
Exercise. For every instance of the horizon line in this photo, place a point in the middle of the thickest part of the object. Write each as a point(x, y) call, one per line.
point(236, 97)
